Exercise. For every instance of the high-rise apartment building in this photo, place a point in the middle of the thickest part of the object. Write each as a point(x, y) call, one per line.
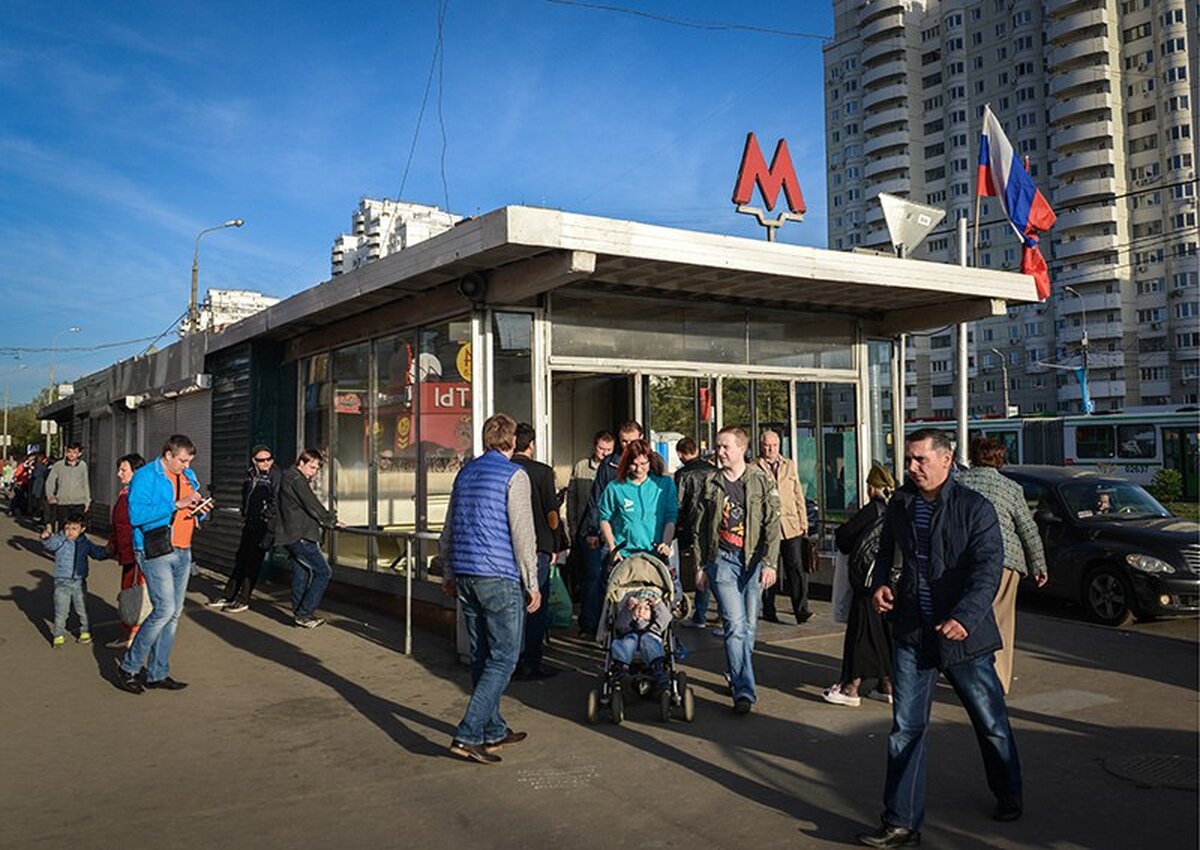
point(382, 227)
point(1098, 96)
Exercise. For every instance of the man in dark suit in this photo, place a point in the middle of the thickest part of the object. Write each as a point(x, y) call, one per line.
point(545, 524)
point(942, 545)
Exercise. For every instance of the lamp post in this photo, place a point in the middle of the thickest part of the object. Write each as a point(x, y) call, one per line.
point(1083, 340)
point(193, 310)
point(1004, 373)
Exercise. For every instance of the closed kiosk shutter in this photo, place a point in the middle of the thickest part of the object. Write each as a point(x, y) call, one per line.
point(215, 546)
point(102, 471)
point(160, 424)
point(193, 418)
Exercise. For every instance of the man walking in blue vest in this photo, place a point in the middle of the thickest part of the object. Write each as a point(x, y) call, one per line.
point(488, 553)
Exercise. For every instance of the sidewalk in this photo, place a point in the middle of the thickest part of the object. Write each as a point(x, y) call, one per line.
point(333, 738)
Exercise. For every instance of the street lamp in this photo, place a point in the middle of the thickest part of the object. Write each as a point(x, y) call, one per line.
point(193, 311)
point(1004, 372)
point(1083, 341)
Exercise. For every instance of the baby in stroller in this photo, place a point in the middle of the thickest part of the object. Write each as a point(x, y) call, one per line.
point(641, 625)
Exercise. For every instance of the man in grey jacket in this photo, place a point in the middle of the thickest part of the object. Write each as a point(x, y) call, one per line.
point(67, 488)
point(302, 517)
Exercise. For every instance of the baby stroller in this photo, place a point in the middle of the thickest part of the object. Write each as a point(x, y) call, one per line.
point(638, 572)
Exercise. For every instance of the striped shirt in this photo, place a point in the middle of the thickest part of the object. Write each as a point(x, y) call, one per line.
point(923, 519)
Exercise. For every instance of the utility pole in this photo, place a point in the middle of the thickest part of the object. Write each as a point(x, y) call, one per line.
point(1004, 372)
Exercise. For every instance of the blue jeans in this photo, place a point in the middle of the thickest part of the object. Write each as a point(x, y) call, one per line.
point(593, 592)
point(166, 583)
point(66, 592)
point(494, 613)
point(310, 577)
point(914, 677)
point(649, 645)
point(700, 601)
point(738, 589)
point(538, 623)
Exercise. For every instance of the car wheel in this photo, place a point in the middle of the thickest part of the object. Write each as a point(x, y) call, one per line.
point(1108, 596)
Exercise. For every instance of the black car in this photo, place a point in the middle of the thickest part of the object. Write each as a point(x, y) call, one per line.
point(1110, 546)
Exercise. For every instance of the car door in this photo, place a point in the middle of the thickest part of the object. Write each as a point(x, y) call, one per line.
point(1054, 529)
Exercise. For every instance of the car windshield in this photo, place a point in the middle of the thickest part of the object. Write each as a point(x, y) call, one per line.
point(1110, 500)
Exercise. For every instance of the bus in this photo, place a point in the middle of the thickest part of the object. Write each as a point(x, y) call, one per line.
point(1133, 445)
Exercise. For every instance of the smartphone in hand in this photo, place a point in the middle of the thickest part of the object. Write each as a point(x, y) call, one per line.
point(203, 507)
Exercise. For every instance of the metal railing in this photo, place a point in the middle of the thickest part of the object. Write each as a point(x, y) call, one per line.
point(409, 537)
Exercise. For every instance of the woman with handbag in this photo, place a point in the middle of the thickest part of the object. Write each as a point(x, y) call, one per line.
point(121, 546)
point(867, 650)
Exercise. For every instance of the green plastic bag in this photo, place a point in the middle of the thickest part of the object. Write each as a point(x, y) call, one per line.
point(561, 612)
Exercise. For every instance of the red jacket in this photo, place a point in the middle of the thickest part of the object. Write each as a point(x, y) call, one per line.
point(122, 528)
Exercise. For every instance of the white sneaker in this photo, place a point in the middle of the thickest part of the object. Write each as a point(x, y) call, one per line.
point(235, 607)
point(217, 603)
point(689, 623)
point(833, 694)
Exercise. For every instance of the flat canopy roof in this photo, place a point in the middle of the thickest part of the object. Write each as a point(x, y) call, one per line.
point(519, 252)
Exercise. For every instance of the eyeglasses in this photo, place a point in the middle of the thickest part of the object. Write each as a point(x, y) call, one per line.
point(264, 459)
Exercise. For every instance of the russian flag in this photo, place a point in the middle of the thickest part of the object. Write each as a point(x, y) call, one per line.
point(1002, 175)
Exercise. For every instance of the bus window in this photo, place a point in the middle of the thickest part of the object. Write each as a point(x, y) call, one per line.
point(1136, 441)
point(1094, 441)
point(1012, 445)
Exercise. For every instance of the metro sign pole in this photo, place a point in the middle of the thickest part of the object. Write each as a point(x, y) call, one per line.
point(753, 171)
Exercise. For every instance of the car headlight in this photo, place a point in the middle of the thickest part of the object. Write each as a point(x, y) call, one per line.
point(1147, 564)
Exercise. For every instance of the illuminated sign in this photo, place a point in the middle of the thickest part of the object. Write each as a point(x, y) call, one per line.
point(781, 174)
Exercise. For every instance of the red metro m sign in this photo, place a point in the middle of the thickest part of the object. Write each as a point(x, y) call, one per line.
point(781, 175)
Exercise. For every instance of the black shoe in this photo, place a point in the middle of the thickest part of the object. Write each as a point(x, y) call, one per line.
point(741, 705)
point(128, 682)
point(770, 616)
point(803, 617)
point(890, 836)
point(473, 752)
point(1007, 809)
point(167, 684)
point(533, 673)
point(511, 738)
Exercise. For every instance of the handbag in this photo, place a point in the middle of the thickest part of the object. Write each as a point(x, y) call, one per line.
point(133, 603)
point(157, 541)
point(561, 612)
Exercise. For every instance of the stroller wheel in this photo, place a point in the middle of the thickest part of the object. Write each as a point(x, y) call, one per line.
point(593, 706)
point(689, 705)
point(664, 704)
point(618, 707)
point(681, 686)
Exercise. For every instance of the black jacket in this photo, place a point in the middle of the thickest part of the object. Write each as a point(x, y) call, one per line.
point(263, 508)
point(541, 491)
point(966, 560)
point(689, 483)
point(301, 514)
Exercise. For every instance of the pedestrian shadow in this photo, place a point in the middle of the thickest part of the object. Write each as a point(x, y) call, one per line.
point(389, 716)
point(28, 544)
point(36, 604)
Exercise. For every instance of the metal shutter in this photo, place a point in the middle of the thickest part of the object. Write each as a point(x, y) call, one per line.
point(160, 424)
point(193, 417)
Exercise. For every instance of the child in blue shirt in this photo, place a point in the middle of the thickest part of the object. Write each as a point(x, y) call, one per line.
point(71, 550)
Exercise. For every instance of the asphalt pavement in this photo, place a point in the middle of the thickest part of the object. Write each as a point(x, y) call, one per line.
point(333, 738)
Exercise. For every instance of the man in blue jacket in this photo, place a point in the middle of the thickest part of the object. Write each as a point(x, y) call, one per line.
point(162, 499)
point(942, 551)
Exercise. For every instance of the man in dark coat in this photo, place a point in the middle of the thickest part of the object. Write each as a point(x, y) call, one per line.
point(942, 542)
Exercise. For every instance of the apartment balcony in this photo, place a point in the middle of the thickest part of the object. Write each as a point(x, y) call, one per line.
point(894, 91)
point(1186, 353)
point(1077, 51)
point(876, 168)
point(879, 49)
point(893, 186)
point(1062, 29)
point(1088, 131)
point(1083, 161)
point(893, 139)
point(1106, 359)
point(1080, 105)
point(884, 117)
point(1084, 217)
point(874, 215)
point(1067, 7)
point(879, 8)
point(1074, 78)
point(1076, 191)
point(897, 67)
point(1095, 304)
point(1096, 331)
point(887, 22)
point(1097, 389)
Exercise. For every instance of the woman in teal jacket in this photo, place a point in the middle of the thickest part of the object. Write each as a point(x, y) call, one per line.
point(638, 511)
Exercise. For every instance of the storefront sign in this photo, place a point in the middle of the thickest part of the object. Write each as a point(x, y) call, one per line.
point(347, 403)
point(753, 171)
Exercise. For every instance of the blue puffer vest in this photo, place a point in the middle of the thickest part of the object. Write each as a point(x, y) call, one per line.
point(481, 543)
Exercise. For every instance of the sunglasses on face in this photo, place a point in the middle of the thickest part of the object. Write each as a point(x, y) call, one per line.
point(264, 459)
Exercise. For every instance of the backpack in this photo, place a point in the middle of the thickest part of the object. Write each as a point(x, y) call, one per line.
point(862, 557)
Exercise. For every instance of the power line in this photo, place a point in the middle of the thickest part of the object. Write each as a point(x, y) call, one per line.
point(6, 350)
point(688, 23)
point(441, 53)
point(433, 63)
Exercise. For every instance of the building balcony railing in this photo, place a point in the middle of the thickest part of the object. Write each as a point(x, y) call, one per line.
point(1081, 245)
point(1075, 191)
point(894, 115)
point(873, 52)
point(1063, 28)
point(1086, 131)
point(892, 186)
point(1084, 217)
point(896, 67)
point(1076, 51)
point(1097, 389)
point(893, 20)
point(1056, 8)
point(893, 139)
point(870, 11)
point(1083, 161)
point(1094, 303)
point(1075, 78)
point(1080, 105)
point(876, 168)
point(894, 91)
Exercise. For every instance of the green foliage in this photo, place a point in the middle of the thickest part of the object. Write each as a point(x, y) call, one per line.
point(1167, 485)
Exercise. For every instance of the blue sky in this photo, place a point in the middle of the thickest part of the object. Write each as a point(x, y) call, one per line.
point(126, 128)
